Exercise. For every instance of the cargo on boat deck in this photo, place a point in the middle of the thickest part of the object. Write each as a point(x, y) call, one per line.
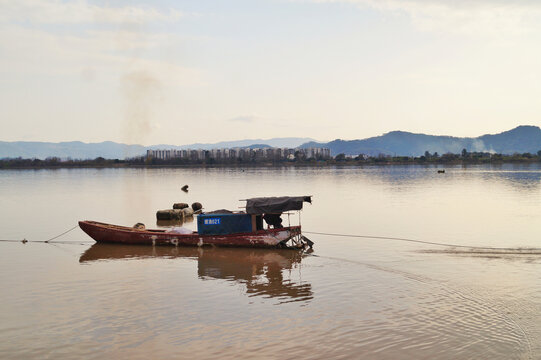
point(218, 224)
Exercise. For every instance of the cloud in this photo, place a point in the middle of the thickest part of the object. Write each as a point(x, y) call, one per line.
point(245, 119)
point(103, 53)
point(89, 55)
point(31, 46)
point(462, 16)
point(79, 12)
point(25, 35)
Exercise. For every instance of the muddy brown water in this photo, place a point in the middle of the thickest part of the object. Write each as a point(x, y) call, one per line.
point(351, 298)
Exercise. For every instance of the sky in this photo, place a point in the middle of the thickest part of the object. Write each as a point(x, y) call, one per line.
point(180, 72)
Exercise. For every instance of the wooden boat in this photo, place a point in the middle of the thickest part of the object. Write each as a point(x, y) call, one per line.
point(107, 233)
point(216, 229)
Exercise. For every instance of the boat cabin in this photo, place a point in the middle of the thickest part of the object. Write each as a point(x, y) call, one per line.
point(258, 211)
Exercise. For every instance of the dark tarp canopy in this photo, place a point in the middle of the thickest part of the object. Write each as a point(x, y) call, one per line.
point(275, 205)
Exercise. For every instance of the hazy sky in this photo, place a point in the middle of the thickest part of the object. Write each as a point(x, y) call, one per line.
point(208, 70)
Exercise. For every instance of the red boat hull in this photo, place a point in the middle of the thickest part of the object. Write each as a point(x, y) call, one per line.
point(107, 233)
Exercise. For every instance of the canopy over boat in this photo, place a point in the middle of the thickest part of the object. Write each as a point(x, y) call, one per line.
point(275, 205)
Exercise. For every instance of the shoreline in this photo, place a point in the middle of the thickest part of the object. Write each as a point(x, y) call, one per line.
point(305, 164)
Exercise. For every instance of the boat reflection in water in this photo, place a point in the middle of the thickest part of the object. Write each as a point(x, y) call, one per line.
point(263, 272)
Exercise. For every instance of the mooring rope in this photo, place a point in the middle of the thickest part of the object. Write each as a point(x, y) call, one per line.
point(48, 240)
point(416, 241)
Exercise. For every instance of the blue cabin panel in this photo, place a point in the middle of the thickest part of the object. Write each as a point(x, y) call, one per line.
point(222, 224)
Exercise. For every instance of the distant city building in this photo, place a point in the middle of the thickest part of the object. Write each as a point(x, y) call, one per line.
point(240, 153)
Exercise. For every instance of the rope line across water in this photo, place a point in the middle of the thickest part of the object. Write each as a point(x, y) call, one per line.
point(415, 241)
point(46, 241)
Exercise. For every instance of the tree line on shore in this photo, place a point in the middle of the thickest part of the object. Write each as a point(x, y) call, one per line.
point(464, 157)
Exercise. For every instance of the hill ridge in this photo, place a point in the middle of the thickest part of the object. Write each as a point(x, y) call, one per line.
point(112, 150)
point(521, 139)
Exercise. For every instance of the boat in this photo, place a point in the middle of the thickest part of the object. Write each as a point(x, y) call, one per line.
point(218, 228)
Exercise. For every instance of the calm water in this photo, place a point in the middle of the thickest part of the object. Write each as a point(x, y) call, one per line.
point(351, 298)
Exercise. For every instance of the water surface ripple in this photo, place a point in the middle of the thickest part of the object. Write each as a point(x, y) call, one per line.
point(351, 298)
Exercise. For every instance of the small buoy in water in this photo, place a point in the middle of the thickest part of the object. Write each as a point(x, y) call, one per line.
point(24, 241)
point(441, 171)
point(184, 188)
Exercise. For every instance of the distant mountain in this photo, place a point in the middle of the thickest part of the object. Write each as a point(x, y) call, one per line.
point(72, 149)
point(290, 142)
point(257, 146)
point(112, 150)
point(518, 140)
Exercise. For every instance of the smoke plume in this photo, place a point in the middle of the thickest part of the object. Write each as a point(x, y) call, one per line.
point(141, 91)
